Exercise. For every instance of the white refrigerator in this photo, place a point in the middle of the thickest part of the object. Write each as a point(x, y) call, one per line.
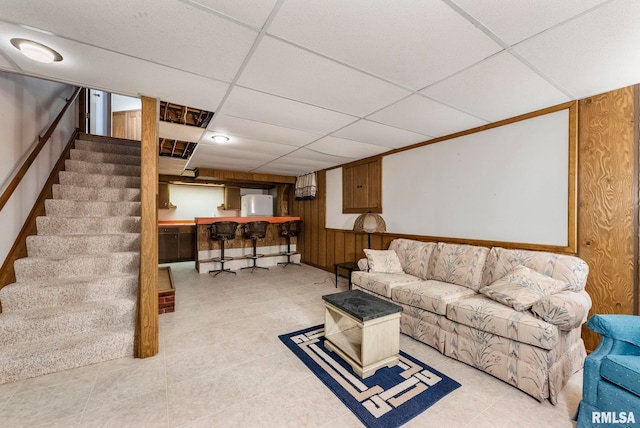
point(256, 206)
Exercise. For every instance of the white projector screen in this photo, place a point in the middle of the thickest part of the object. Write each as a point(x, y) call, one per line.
point(509, 184)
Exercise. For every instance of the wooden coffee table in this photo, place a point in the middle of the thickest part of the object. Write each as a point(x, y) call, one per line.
point(363, 330)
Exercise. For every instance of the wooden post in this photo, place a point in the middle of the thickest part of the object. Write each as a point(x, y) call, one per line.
point(146, 343)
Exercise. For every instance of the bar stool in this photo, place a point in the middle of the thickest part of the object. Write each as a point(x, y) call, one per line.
point(222, 231)
point(289, 229)
point(255, 230)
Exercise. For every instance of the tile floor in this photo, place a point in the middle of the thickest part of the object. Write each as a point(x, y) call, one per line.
point(221, 364)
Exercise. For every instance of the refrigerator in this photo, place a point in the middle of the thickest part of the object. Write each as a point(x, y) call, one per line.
point(256, 206)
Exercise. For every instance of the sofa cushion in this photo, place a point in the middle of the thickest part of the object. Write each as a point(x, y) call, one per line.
point(623, 370)
point(522, 287)
point(383, 261)
point(430, 295)
point(487, 315)
point(414, 255)
point(458, 264)
point(382, 283)
point(569, 269)
point(567, 310)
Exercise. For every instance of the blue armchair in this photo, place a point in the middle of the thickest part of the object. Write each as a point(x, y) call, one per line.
point(611, 378)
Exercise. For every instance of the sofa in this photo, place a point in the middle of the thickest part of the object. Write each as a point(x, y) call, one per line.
point(611, 387)
point(514, 314)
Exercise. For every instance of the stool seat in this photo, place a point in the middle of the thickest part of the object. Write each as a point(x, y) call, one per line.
point(287, 230)
point(255, 230)
point(222, 231)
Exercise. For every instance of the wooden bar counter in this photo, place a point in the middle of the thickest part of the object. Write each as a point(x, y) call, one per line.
point(270, 246)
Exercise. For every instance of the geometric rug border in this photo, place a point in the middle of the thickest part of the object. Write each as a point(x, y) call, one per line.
point(389, 398)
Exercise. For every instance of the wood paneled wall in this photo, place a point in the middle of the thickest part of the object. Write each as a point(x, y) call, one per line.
point(607, 208)
point(607, 195)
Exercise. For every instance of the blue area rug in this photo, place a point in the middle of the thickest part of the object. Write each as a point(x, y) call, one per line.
point(389, 398)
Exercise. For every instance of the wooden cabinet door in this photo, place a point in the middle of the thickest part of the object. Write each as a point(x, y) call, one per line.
point(187, 243)
point(168, 249)
point(362, 187)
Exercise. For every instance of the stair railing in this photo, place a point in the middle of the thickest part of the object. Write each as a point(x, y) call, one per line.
point(19, 175)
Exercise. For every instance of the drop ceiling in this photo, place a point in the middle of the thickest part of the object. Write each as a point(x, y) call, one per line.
point(300, 86)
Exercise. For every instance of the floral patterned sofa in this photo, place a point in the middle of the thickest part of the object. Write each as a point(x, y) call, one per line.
point(514, 314)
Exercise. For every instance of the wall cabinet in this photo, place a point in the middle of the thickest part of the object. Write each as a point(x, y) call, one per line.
point(362, 187)
point(232, 198)
point(176, 244)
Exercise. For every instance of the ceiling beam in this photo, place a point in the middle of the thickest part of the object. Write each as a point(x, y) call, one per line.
point(221, 174)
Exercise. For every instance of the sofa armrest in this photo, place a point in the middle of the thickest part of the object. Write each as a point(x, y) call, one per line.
point(619, 327)
point(567, 310)
point(363, 265)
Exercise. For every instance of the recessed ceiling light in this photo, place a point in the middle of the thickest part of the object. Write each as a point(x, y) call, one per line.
point(220, 139)
point(36, 51)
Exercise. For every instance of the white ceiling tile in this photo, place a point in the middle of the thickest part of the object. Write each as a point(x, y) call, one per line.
point(347, 148)
point(275, 110)
point(239, 127)
point(102, 69)
point(163, 31)
point(412, 42)
point(422, 115)
point(171, 166)
point(176, 131)
point(232, 162)
point(592, 54)
point(304, 155)
point(498, 88)
point(514, 21)
point(247, 145)
point(229, 151)
point(254, 13)
point(381, 135)
point(5, 64)
point(294, 166)
point(281, 69)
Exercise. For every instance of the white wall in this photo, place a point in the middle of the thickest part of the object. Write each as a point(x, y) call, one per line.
point(124, 103)
point(28, 106)
point(192, 201)
point(505, 184)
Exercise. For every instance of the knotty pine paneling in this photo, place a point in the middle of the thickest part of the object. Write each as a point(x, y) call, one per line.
point(606, 202)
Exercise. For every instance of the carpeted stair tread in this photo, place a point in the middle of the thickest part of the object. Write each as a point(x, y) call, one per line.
point(98, 180)
point(105, 194)
point(63, 352)
point(125, 149)
point(87, 225)
point(32, 324)
point(37, 268)
point(101, 157)
point(85, 167)
point(67, 245)
point(67, 291)
point(74, 299)
point(64, 208)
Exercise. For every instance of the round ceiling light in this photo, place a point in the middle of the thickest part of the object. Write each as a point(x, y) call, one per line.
point(220, 139)
point(36, 51)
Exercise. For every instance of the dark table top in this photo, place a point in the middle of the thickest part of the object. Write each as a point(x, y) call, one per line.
point(361, 305)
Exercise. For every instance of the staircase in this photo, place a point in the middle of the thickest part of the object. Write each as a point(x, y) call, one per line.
point(74, 299)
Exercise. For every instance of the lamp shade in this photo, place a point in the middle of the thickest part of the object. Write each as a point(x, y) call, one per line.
point(370, 223)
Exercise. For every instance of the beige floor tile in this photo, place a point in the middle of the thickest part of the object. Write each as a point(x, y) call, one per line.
point(146, 410)
point(117, 385)
point(42, 405)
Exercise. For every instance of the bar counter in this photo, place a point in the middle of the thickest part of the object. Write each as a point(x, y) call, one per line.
point(271, 246)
